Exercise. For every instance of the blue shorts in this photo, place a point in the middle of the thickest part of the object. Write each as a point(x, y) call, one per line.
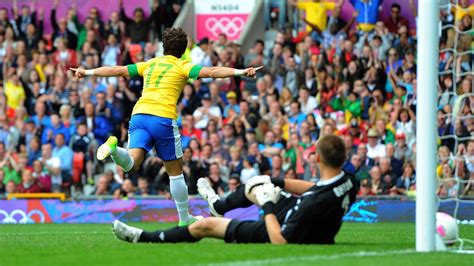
point(148, 131)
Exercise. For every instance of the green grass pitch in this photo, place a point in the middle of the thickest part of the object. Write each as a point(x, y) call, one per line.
point(94, 244)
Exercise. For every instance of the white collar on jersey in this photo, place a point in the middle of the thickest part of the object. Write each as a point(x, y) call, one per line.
point(331, 180)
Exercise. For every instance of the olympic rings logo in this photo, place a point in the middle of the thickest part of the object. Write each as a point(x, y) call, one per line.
point(20, 217)
point(230, 27)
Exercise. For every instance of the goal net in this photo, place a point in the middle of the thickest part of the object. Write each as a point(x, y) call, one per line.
point(455, 119)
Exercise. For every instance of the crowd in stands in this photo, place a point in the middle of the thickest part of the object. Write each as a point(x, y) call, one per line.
point(355, 78)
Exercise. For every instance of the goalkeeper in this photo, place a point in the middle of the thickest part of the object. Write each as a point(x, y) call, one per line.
point(314, 217)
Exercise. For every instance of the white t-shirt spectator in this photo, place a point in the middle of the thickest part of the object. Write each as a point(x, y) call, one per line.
point(376, 152)
point(53, 162)
point(309, 106)
point(409, 130)
point(202, 123)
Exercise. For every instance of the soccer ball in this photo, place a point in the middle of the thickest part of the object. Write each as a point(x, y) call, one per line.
point(447, 227)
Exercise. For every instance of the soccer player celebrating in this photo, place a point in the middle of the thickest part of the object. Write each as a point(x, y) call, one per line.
point(153, 122)
point(314, 217)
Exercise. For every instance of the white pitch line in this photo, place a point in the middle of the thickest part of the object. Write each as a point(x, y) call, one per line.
point(316, 257)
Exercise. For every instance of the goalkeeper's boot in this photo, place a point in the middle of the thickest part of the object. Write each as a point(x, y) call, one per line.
point(192, 220)
point(106, 149)
point(207, 193)
point(125, 232)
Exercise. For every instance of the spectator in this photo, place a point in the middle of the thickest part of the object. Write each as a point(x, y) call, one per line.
point(378, 186)
point(235, 163)
point(395, 163)
point(10, 168)
point(127, 190)
point(402, 151)
point(248, 170)
point(232, 184)
point(65, 155)
point(216, 179)
point(388, 176)
point(311, 171)
point(14, 91)
point(277, 170)
point(102, 187)
point(139, 26)
point(34, 151)
point(396, 21)
point(368, 13)
point(52, 165)
point(143, 188)
point(206, 112)
point(316, 12)
point(406, 183)
point(42, 177)
point(232, 103)
point(308, 102)
point(29, 184)
point(56, 128)
point(375, 150)
point(202, 54)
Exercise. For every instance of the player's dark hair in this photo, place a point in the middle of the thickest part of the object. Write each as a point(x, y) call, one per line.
point(332, 150)
point(175, 41)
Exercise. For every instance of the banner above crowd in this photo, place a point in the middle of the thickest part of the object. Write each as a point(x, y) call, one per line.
point(221, 16)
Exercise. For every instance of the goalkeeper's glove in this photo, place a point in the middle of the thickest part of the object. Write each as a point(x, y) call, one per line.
point(267, 196)
point(263, 179)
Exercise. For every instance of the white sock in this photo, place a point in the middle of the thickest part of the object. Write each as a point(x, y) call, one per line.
point(179, 191)
point(121, 157)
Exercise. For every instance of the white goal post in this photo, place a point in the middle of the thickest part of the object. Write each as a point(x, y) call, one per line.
point(426, 137)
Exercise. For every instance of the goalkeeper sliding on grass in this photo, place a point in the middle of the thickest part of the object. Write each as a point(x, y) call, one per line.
point(314, 217)
point(153, 122)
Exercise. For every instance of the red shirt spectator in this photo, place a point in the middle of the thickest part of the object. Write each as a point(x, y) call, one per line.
point(396, 21)
point(29, 183)
point(64, 57)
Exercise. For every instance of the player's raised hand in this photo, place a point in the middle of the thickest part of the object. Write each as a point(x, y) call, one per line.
point(251, 71)
point(79, 73)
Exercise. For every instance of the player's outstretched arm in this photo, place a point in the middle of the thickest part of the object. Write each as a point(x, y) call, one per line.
point(291, 185)
point(107, 71)
point(297, 186)
point(225, 72)
point(267, 196)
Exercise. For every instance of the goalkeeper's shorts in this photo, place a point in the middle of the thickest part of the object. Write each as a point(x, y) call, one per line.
point(256, 231)
point(148, 131)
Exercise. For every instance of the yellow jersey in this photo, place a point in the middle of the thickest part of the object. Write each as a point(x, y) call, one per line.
point(164, 78)
point(460, 12)
point(15, 94)
point(316, 13)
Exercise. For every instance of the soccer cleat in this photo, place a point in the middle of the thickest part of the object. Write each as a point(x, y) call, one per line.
point(125, 232)
point(106, 149)
point(192, 220)
point(207, 193)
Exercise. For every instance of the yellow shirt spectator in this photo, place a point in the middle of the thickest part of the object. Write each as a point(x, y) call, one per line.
point(460, 12)
point(15, 94)
point(316, 13)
